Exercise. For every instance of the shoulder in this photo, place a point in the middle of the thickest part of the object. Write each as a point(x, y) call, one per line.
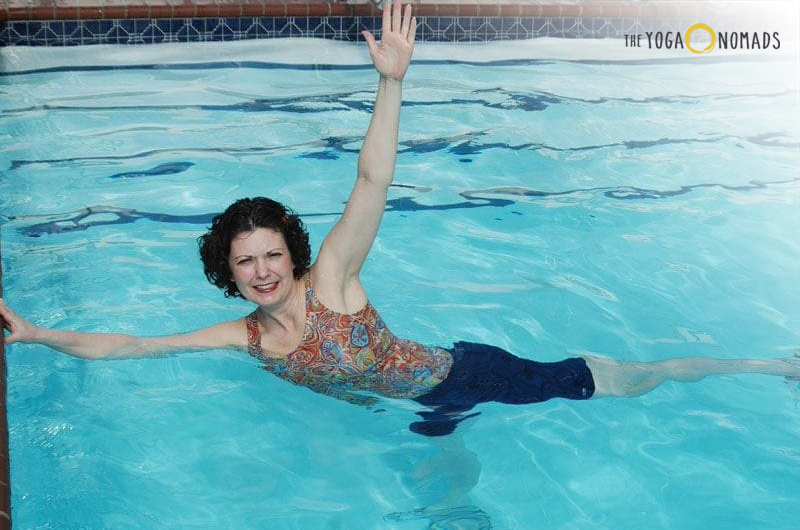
point(230, 333)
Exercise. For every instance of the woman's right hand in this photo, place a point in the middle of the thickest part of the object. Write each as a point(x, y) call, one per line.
point(21, 330)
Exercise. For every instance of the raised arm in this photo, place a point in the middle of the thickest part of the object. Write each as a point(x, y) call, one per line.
point(117, 345)
point(346, 246)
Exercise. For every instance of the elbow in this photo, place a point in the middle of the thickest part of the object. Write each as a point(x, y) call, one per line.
point(376, 179)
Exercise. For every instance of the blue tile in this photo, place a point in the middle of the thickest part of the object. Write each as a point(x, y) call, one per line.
point(15, 39)
point(301, 23)
point(506, 23)
point(104, 26)
point(164, 25)
point(372, 23)
point(221, 32)
point(254, 31)
point(90, 40)
point(424, 28)
point(233, 24)
point(70, 27)
point(5, 35)
point(282, 27)
point(152, 31)
point(198, 25)
point(496, 23)
point(511, 30)
point(176, 25)
point(45, 33)
point(193, 36)
point(453, 29)
point(140, 25)
point(91, 28)
point(19, 28)
point(125, 27)
point(320, 29)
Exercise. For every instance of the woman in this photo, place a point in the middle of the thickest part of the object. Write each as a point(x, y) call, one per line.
point(315, 326)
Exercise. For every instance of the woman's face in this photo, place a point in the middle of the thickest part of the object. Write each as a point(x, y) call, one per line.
point(262, 266)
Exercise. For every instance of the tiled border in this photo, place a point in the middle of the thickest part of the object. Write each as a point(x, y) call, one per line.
point(116, 9)
point(430, 29)
point(155, 21)
point(148, 31)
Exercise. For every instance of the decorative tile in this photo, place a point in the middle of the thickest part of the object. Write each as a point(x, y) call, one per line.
point(345, 28)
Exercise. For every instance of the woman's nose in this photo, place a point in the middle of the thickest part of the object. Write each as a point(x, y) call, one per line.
point(262, 271)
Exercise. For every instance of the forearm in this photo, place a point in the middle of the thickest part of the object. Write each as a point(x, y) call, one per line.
point(378, 153)
point(98, 345)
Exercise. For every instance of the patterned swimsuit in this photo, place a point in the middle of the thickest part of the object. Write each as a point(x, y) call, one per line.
point(340, 353)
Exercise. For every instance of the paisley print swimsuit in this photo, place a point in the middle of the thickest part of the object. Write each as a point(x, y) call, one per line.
point(340, 353)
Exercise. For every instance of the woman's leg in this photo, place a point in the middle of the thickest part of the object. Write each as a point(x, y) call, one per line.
point(629, 379)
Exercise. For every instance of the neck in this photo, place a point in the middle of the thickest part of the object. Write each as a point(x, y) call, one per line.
point(287, 314)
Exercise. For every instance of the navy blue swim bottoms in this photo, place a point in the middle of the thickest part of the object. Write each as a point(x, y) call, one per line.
point(483, 373)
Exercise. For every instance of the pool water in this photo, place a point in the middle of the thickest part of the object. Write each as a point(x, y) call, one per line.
point(639, 210)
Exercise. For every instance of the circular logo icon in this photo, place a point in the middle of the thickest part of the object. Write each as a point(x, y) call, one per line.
point(710, 31)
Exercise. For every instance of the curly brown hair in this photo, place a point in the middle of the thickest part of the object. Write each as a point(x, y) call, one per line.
point(245, 215)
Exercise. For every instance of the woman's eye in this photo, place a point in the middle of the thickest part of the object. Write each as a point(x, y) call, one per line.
point(243, 261)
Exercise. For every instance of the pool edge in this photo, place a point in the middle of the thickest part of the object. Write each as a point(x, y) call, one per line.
point(5, 482)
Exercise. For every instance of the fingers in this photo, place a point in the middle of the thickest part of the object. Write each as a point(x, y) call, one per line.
point(370, 38)
point(6, 314)
point(397, 19)
point(11, 322)
point(406, 24)
point(10, 339)
point(397, 13)
point(412, 31)
point(387, 17)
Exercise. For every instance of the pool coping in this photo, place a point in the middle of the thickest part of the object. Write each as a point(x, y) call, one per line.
point(117, 9)
point(5, 481)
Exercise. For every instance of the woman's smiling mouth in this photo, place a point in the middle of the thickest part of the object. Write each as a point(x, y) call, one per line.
point(265, 288)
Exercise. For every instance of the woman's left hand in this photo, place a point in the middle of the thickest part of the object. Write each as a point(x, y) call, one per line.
point(392, 56)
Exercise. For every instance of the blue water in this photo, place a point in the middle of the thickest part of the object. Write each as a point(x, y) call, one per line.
point(552, 208)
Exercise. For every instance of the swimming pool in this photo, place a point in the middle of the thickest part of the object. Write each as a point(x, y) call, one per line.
point(639, 210)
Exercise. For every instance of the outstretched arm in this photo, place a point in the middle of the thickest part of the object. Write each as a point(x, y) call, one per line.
point(117, 345)
point(346, 246)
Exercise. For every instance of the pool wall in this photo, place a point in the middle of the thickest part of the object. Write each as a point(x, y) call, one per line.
point(5, 482)
point(82, 22)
